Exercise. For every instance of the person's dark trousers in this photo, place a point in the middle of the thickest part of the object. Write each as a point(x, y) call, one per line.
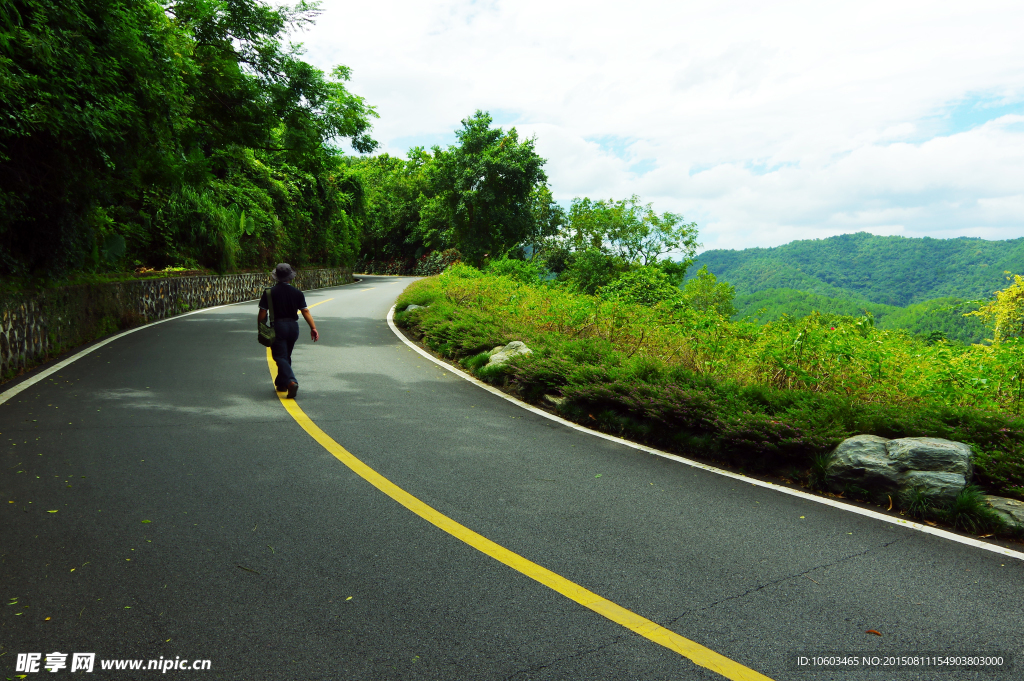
point(287, 332)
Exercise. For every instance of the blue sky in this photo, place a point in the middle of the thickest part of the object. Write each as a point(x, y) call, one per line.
point(763, 122)
point(976, 110)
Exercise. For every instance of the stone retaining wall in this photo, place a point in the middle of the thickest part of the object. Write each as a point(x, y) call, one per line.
point(36, 327)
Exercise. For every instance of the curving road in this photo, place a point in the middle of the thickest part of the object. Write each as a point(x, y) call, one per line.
point(159, 502)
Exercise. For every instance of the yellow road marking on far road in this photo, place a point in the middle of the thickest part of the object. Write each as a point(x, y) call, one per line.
point(320, 303)
point(705, 657)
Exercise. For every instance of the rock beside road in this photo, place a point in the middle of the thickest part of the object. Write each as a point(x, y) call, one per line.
point(502, 354)
point(880, 466)
point(1010, 510)
point(931, 454)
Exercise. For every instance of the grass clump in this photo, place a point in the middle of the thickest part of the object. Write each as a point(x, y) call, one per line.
point(969, 512)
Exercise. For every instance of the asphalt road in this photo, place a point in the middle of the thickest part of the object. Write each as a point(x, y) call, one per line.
point(158, 501)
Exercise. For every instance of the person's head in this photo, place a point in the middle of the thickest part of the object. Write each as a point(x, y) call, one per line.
point(283, 272)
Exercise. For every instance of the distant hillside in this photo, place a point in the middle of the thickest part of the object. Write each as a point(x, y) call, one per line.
point(943, 315)
point(889, 270)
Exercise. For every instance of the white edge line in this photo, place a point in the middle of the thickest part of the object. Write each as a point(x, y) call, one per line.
point(711, 469)
point(29, 382)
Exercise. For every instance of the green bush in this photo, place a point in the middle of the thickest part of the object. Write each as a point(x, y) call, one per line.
point(519, 270)
point(641, 286)
point(461, 270)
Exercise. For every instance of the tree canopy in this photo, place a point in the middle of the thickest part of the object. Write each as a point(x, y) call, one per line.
point(481, 190)
point(180, 133)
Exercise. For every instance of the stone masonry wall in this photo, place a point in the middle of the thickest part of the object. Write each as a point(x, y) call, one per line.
point(36, 327)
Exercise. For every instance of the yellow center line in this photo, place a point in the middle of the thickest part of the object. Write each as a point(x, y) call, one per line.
point(320, 303)
point(705, 657)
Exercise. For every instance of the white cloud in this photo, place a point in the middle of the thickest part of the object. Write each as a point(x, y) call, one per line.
point(764, 122)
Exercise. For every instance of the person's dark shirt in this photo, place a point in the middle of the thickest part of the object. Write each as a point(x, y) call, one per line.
point(288, 300)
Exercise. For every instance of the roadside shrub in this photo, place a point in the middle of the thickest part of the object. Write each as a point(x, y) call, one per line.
point(461, 270)
point(476, 361)
point(436, 262)
point(418, 293)
point(519, 270)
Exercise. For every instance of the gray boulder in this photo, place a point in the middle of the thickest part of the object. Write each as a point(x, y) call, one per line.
point(940, 468)
point(415, 307)
point(1010, 510)
point(931, 454)
point(862, 461)
point(941, 488)
point(513, 349)
point(554, 400)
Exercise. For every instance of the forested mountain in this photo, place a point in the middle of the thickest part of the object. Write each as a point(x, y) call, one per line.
point(943, 316)
point(890, 270)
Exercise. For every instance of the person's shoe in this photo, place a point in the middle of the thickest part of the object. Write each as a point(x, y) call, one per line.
point(280, 388)
point(293, 388)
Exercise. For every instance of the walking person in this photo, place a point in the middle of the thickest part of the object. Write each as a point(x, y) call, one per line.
point(288, 303)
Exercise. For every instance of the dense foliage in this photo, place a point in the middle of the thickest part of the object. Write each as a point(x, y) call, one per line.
point(485, 196)
point(139, 133)
point(890, 270)
point(770, 397)
point(941, 318)
point(1006, 312)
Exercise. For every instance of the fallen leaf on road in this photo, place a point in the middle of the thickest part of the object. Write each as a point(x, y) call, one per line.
point(51, 511)
point(983, 536)
point(873, 631)
point(147, 521)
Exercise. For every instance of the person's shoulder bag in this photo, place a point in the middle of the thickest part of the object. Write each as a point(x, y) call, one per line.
point(265, 332)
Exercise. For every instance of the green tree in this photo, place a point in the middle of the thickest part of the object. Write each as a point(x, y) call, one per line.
point(184, 132)
point(1006, 312)
point(705, 293)
point(394, 191)
point(630, 231)
point(480, 191)
point(89, 94)
point(644, 285)
point(547, 220)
